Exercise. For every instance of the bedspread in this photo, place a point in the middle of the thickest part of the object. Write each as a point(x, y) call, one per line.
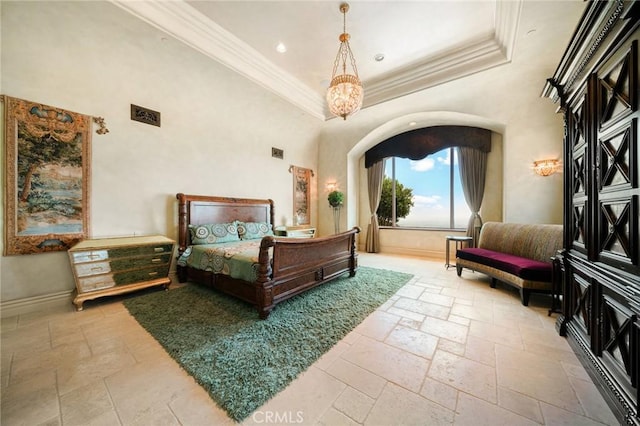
point(238, 259)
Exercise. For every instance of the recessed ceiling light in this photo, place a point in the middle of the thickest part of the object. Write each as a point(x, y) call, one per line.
point(281, 47)
point(379, 57)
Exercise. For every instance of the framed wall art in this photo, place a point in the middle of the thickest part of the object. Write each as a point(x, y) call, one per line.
point(47, 182)
point(301, 195)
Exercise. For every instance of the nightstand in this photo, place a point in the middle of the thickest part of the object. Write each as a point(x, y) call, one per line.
point(295, 231)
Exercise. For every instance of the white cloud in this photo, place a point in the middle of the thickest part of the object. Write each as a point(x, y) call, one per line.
point(423, 165)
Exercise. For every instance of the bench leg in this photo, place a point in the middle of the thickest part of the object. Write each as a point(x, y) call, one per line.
point(458, 270)
point(524, 296)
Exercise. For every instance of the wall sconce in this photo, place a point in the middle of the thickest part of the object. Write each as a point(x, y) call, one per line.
point(546, 167)
point(331, 186)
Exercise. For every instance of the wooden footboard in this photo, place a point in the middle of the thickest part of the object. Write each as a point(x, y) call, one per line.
point(295, 265)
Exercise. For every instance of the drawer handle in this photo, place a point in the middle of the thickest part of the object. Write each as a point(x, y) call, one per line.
point(94, 256)
point(156, 260)
point(96, 268)
point(151, 274)
point(158, 249)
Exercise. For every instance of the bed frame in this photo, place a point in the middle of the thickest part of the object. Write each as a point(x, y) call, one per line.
point(297, 265)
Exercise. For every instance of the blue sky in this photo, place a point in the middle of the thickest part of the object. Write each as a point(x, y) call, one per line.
point(429, 179)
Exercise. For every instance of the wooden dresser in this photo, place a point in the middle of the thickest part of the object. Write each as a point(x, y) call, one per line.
point(109, 266)
point(597, 87)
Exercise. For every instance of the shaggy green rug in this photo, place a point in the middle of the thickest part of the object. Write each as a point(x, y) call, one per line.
point(243, 361)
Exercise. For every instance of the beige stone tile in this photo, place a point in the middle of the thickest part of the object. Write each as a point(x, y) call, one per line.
point(465, 375)
point(331, 355)
point(575, 370)
point(478, 313)
point(405, 314)
point(27, 339)
point(137, 389)
point(448, 330)
point(438, 392)
point(410, 291)
point(451, 346)
point(423, 308)
point(333, 417)
point(357, 377)
point(155, 415)
point(77, 374)
point(307, 398)
point(30, 402)
point(459, 320)
point(194, 404)
point(592, 401)
point(477, 412)
point(496, 333)
point(537, 377)
point(558, 417)
point(413, 341)
point(437, 299)
point(480, 350)
point(354, 404)
point(377, 325)
point(409, 323)
point(520, 404)
point(398, 406)
point(26, 365)
point(393, 364)
point(88, 405)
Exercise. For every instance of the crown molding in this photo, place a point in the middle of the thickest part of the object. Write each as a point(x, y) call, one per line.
point(183, 22)
point(188, 25)
point(473, 56)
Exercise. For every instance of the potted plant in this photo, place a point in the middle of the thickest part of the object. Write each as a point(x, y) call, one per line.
point(336, 198)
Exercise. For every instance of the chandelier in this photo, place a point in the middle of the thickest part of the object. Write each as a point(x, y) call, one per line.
point(345, 92)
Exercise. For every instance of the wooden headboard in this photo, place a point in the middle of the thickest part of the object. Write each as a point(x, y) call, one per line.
point(202, 209)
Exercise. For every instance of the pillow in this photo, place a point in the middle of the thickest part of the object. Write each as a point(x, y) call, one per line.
point(213, 233)
point(253, 230)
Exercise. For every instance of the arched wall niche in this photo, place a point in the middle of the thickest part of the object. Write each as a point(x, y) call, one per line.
point(420, 242)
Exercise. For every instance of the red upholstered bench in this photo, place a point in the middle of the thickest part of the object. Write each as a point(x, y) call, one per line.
point(516, 254)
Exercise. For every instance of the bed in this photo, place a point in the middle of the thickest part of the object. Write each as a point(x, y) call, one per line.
point(282, 267)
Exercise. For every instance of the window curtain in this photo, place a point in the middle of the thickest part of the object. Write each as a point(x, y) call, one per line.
point(375, 174)
point(473, 169)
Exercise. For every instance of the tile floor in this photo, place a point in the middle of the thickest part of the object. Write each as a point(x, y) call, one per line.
point(443, 351)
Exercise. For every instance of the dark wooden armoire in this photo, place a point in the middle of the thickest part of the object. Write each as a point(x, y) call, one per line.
point(596, 86)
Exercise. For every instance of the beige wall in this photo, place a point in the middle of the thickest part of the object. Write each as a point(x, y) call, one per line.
point(216, 136)
point(218, 128)
point(505, 99)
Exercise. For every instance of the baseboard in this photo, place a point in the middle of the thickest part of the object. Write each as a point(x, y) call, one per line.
point(36, 304)
point(45, 302)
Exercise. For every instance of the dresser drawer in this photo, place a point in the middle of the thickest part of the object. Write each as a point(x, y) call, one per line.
point(94, 268)
point(89, 256)
point(140, 250)
point(137, 275)
point(140, 262)
point(97, 282)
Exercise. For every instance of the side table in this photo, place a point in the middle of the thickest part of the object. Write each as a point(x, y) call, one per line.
point(459, 244)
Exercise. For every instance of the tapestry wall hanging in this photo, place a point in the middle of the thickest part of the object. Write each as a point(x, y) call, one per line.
point(301, 195)
point(47, 166)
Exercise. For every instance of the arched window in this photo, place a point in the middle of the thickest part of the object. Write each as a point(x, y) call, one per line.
point(423, 163)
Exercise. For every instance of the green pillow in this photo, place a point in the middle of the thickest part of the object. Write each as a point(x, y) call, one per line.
point(213, 233)
point(253, 230)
